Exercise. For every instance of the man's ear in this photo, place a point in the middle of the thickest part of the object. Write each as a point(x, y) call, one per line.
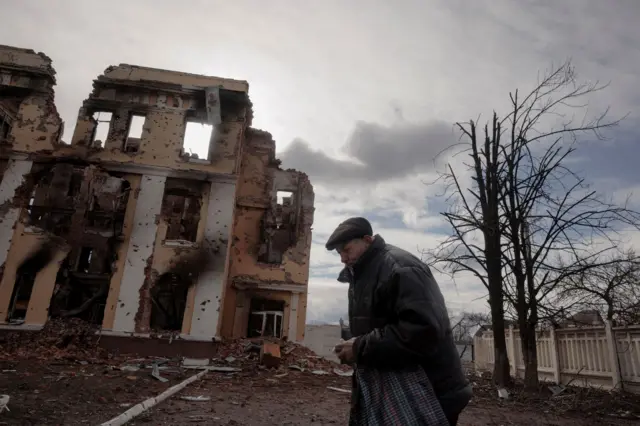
point(368, 238)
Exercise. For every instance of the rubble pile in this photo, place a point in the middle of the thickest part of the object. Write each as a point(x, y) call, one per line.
point(68, 339)
point(75, 340)
point(247, 352)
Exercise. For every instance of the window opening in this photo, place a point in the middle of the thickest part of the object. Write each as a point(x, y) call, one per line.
point(103, 125)
point(136, 126)
point(197, 140)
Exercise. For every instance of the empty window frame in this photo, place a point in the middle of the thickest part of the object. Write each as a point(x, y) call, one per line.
point(75, 184)
point(284, 198)
point(197, 140)
point(103, 126)
point(266, 324)
point(6, 123)
point(134, 134)
point(21, 296)
point(181, 211)
point(168, 302)
point(265, 318)
point(84, 259)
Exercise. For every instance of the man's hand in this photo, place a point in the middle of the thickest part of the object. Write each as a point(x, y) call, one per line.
point(344, 351)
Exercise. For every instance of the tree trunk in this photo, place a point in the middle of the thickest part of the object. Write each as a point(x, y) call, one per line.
point(610, 310)
point(530, 354)
point(501, 374)
point(493, 254)
point(530, 345)
point(501, 369)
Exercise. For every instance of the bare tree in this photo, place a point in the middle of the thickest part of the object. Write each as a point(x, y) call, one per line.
point(540, 222)
point(551, 215)
point(611, 288)
point(476, 210)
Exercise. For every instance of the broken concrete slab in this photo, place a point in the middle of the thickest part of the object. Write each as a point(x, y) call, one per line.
point(195, 362)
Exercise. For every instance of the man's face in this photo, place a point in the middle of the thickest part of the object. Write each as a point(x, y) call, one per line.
point(351, 251)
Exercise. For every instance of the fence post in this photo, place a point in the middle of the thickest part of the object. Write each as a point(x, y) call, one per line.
point(612, 347)
point(555, 355)
point(514, 358)
point(478, 361)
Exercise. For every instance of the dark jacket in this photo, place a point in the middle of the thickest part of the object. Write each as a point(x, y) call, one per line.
point(399, 318)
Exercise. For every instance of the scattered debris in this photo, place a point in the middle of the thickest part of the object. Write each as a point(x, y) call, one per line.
point(156, 374)
point(270, 355)
point(556, 390)
point(343, 373)
point(196, 398)
point(193, 362)
point(130, 368)
point(503, 393)
point(201, 418)
point(558, 400)
point(338, 389)
point(138, 409)
point(68, 339)
point(4, 403)
point(216, 368)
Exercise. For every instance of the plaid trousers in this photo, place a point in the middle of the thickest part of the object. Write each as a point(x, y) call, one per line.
point(394, 398)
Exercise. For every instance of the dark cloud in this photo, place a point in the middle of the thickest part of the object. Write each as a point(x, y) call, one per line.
point(376, 152)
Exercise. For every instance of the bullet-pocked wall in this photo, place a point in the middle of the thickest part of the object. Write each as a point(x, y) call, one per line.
point(269, 260)
point(128, 227)
point(28, 117)
point(142, 116)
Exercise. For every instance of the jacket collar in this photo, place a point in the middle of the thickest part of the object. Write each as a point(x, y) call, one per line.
point(347, 273)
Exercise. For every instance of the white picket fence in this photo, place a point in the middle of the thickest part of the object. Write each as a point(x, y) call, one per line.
point(606, 357)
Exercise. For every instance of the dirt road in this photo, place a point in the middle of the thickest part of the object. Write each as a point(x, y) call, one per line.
point(71, 393)
point(60, 377)
point(299, 399)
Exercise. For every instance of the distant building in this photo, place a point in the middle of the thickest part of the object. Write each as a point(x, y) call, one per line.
point(586, 318)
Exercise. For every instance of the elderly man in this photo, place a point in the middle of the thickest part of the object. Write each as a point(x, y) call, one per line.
point(399, 321)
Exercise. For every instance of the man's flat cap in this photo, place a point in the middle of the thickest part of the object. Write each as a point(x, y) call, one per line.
point(350, 229)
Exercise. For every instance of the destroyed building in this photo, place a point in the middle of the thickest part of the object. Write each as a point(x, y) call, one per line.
point(127, 228)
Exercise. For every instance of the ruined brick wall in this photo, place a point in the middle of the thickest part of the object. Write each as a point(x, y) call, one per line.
point(258, 213)
point(26, 100)
point(271, 236)
point(123, 223)
point(166, 101)
point(28, 119)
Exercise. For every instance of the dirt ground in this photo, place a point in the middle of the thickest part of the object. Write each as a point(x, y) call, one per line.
point(300, 399)
point(60, 378)
point(70, 393)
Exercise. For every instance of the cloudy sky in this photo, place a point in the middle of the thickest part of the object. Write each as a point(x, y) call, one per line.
point(360, 94)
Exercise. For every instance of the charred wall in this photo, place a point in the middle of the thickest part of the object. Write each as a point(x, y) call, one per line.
point(174, 274)
point(74, 211)
point(274, 214)
point(127, 227)
point(271, 238)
